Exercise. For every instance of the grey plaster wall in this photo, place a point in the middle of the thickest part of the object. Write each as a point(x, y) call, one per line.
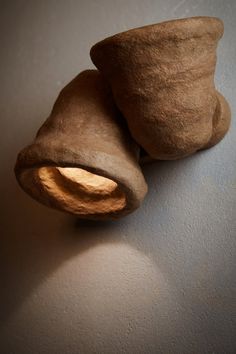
point(159, 281)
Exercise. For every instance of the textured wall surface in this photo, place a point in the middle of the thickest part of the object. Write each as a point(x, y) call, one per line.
point(159, 281)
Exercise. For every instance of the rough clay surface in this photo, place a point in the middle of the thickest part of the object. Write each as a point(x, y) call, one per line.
point(162, 77)
point(159, 281)
point(75, 190)
point(84, 130)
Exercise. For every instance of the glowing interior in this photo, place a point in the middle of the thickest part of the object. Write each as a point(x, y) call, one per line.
point(76, 190)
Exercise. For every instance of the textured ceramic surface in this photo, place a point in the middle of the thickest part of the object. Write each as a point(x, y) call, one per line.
point(161, 280)
point(162, 78)
point(83, 159)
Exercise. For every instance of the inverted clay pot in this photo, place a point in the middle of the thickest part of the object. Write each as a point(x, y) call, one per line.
point(83, 159)
point(162, 79)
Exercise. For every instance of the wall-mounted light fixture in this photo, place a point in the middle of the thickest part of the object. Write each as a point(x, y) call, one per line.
point(83, 159)
point(161, 77)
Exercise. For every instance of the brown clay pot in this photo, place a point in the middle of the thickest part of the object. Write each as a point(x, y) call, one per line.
point(162, 79)
point(83, 159)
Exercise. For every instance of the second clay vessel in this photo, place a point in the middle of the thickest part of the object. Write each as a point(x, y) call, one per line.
point(162, 79)
point(83, 159)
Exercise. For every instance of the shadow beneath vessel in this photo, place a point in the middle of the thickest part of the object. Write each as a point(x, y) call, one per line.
point(37, 240)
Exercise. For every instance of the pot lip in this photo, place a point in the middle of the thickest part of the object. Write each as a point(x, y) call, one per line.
point(177, 28)
point(133, 191)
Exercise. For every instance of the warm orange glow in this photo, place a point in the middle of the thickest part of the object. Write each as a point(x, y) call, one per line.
point(76, 190)
point(89, 182)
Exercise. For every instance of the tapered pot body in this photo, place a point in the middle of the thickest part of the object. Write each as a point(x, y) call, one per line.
point(83, 159)
point(162, 79)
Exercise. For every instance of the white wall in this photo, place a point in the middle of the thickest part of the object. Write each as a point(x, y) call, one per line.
point(159, 281)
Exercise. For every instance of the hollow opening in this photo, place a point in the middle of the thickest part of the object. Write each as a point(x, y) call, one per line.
point(75, 190)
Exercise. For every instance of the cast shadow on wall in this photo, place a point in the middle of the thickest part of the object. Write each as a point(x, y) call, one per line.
point(38, 240)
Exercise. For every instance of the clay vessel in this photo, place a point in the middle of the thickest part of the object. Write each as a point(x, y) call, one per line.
point(162, 79)
point(83, 159)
